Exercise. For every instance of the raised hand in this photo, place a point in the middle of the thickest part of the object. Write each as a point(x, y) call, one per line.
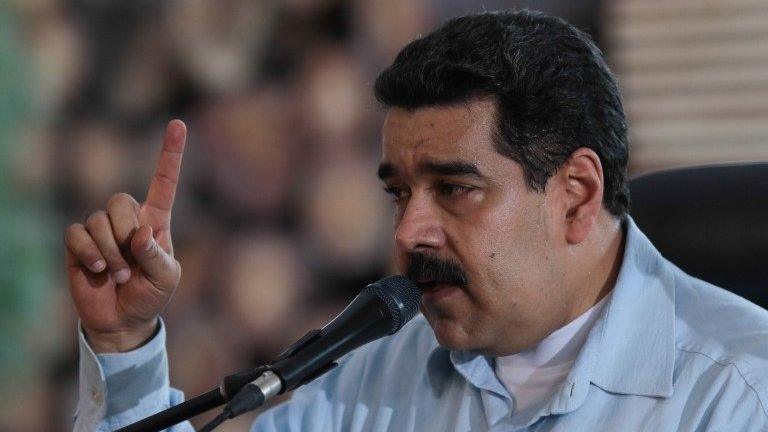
point(120, 265)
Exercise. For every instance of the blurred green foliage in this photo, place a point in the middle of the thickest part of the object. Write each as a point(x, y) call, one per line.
point(25, 226)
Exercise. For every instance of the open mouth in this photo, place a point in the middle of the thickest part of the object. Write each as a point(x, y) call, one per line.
point(428, 285)
point(434, 289)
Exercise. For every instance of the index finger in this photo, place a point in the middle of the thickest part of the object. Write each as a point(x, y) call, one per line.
point(162, 188)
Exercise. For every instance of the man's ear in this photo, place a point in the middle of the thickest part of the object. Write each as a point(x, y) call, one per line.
point(583, 174)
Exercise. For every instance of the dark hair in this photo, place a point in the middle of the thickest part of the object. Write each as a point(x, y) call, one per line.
point(553, 91)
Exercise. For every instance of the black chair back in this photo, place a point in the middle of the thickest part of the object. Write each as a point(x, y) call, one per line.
point(711, 221)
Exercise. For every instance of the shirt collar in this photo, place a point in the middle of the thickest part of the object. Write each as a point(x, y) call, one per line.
point(630, 348)
point(637, 333)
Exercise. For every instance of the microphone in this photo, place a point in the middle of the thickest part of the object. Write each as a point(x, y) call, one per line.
point(381, 309)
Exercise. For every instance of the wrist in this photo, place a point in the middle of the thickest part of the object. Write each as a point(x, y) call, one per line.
point(121, 341)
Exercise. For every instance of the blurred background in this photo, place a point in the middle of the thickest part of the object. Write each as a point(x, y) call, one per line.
point(279, 219)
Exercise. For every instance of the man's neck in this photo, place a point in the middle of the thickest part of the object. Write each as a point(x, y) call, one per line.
point(601, 268)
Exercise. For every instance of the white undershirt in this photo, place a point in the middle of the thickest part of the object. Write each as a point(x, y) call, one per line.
point(532, 376)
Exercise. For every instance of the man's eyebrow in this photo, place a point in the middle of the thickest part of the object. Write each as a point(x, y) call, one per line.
point(451, 168)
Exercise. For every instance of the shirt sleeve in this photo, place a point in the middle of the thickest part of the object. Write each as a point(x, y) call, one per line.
point(116, 390)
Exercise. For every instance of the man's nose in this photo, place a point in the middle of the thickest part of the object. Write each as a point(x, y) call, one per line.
point(419, 227)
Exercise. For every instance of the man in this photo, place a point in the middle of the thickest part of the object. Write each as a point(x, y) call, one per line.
point(544, 306)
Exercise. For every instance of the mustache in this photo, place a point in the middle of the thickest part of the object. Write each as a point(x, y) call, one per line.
point(425, 267)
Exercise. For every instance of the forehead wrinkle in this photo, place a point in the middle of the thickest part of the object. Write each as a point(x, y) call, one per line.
point(422, 136)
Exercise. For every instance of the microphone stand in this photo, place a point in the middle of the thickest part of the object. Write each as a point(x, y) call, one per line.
point(197, 405)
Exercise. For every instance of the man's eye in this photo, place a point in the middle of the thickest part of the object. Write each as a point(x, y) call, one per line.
point(396, 192)
point(453, 189)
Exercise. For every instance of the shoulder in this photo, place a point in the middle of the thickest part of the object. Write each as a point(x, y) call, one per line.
point(718, 322)
point(722, 339)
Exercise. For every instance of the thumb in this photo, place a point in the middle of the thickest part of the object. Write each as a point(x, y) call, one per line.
point(161, 268)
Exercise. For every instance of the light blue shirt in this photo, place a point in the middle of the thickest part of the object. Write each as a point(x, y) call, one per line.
point(668, 353)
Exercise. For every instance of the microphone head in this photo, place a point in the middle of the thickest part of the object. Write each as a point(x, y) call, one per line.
point(400, 295)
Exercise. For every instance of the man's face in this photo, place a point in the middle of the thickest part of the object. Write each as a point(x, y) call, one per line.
point(498, 288)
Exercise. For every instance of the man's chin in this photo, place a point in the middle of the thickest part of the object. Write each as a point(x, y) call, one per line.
point(451, 334)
